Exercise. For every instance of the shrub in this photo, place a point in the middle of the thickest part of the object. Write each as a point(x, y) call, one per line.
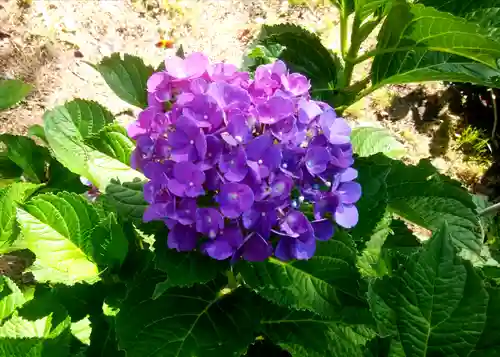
point(123, 267)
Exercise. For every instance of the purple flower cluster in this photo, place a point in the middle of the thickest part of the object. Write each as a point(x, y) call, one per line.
point(241, 167)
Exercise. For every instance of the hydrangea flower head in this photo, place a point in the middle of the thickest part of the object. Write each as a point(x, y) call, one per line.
point(243, 168)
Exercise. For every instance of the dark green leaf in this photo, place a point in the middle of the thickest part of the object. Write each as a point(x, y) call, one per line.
point(300, 331)
point(103, 341)
point(128, 199)
point(201, 321)
point(319, 65)
point(373, 203)
point(367, 141)
point(61, 179)
point(12, 91)
point(327, 284)
point(184, 269)
point(127, 77)
point(9, 198)
point(423, 196)
point(109, 243)
point(8, 169)
point(89, 117)
point(489, 342)
point(437, 46)
point(366, 8)
point(113, 141)
point(461, 7)
point(26, 154)
point(439, 303)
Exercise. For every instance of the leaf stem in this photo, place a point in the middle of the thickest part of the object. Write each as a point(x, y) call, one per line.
point(343, 29)
point(495, 114)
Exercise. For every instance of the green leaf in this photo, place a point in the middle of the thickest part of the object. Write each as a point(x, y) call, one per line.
point(109, 243)
point(127, 77)
point(460, 7)
point(11, 297)
point(367, 141)
point(319, 65)
point(370, 262)
point(8, 169)
point(69, 148)
point(12, 91)
point(39, 338)
point(103, 341)
point(36, 130)
point(300, 331)
point(489, 342)
point(423, 196)
point(113, 141)
point(10, 196)
point(327, 284)
point(183, 269)
point(88, 116)
point(439, 302)
point(62, 179)
point(437, 46)
point(26, 154)
point(82, 330)
point(128, 198)
point(372, 206)
point(201, 321)
point(367, 8)
point(57, 229)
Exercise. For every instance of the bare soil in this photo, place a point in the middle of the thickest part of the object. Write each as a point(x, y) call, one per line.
point(47, 43)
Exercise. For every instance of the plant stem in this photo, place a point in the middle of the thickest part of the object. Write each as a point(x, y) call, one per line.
point(232, 283)
point(344, 17)
point(495, 114)
point(491, 209)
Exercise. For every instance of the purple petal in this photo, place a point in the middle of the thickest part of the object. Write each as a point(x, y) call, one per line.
point(274, 110)
point(209, 221)
point(229, 96)
point(346, 215)
point(349, 192)
point(323, 229)
point(234, 199)
point(348, 174)
point(218, 249)
point(155, 81)
point(296, 83)
point(182, 238)
point(256, 248)
point(317, 159)
point(308, 110)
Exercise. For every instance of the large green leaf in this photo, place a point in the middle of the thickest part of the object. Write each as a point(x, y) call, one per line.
point(439, 302)
point(489, 342)
point(183, 269)
point(82, 330)
point(39, 338)
point(11, 297)
point(423, 196)
point(89, 117)
point(26, 154)
point(110, 246)
point(461, 7)
point(327, 284)
point(366, 8)
point(201, 321)
point(300, 331)
point(114, 142)
point(57, 228)
point(367, 141)
point(103, 341)
point(12, 91)
point(418, 43)
point(127, 77)
point(318, 65)
point(128, 198)
point(70, 149)
point(10, 196)
point(373, 203)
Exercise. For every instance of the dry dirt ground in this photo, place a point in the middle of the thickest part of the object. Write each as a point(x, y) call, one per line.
point(46, 43)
